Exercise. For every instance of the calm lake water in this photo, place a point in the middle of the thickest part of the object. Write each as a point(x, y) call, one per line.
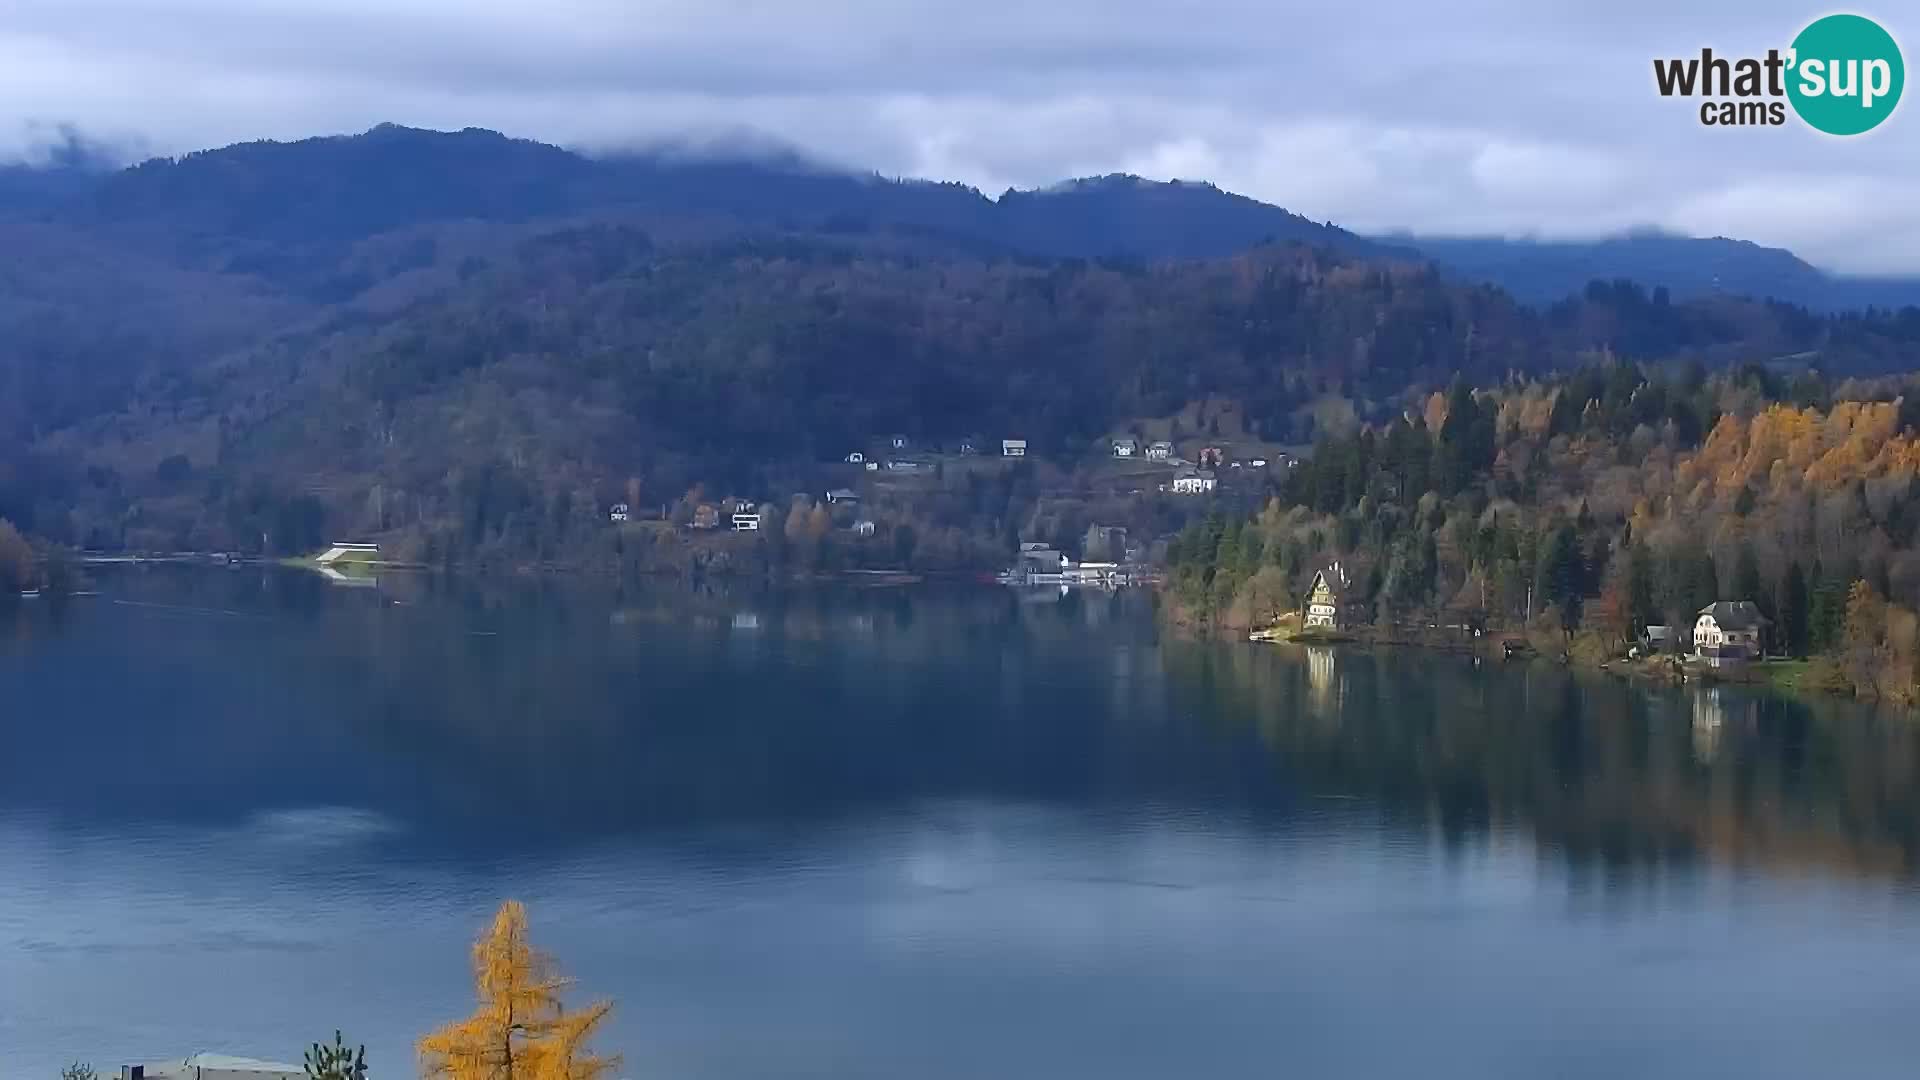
point(925, 833)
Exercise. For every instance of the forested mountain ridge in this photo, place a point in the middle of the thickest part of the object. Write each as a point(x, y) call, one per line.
point(270, 208)
point(1543, 272)
point(447, 336)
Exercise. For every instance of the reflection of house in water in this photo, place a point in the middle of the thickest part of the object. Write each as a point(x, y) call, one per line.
point(1322, 680)
point(1713, 710)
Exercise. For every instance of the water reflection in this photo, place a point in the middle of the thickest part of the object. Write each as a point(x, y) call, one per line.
point(1590, 767)
point(883, 830)
point(541, 710)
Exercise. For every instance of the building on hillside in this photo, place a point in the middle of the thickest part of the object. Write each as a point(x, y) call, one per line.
point(864, 527)
point(619, 512)
point(705, 516)
point(213, 1067)
point(746, 518)
point(1013, 448)
point(856, 458)
point(1656, 639)
point(1193, 482)
point(1160, 451)
point(1040, 564)
point(1329, 598)
point(1728, 632)
point(969, 446)
point(842, 495)
point(906, 465)
point(1125, 448)
point(1211, 457)
point(900, 442)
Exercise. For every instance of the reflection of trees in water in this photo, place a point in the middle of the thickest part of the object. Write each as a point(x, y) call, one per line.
point(544, 705)
point(1591, 767)
point(615, 709)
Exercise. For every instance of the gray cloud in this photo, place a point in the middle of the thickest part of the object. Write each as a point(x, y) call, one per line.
point(1507, 116)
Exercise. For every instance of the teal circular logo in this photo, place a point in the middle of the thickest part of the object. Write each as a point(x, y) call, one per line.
point(1846, 74)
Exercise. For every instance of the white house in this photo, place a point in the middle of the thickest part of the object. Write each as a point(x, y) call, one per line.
point(1159, 451)
point(856, 458)
point(863, 527)
point(901, 442)
point(1327, 597)
point(213, 1067)
point(620, 512)
point(746, 518)
point(1728, 630)
point(1125, 448)
point(1193, 482)
point(1013, 448)
point(840, 495)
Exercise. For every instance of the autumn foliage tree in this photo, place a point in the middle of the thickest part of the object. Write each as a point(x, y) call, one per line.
point(520, 1031)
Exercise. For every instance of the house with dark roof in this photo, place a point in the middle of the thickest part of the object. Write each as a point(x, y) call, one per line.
point(1329, 603)
point(1728, 631)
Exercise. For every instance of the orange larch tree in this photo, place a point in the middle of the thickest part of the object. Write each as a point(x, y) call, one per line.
point(520, 1030)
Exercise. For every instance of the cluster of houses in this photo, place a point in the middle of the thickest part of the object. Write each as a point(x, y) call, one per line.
point(1209, 457)
point(900, 448)
point(897, 456)
point(1128, 448)
point(1043, 564)
point(744, 515)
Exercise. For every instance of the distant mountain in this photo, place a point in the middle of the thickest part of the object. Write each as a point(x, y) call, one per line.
point(463, 339)
point(320, 195)
point(290, 212)
point(1543, 271)
point(59, 172)
point(1128, 216)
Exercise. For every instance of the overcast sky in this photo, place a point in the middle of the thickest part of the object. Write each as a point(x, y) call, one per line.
point(1472, 116)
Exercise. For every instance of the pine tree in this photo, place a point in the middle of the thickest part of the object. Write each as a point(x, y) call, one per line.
point(1747, 584)
point(336, 1062)
point(1640, 586)
point(520, 1030)
point(1793, 610)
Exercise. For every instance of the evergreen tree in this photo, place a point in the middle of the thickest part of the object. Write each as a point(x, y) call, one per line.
point(1793, 610)
point(336, 1062)
point(1558, 573)
point(1640, 603)
point(1746, 580)
point(1703, 584)
point(1817, 617)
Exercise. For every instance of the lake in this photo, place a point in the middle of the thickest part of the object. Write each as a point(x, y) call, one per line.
point(929, 832)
